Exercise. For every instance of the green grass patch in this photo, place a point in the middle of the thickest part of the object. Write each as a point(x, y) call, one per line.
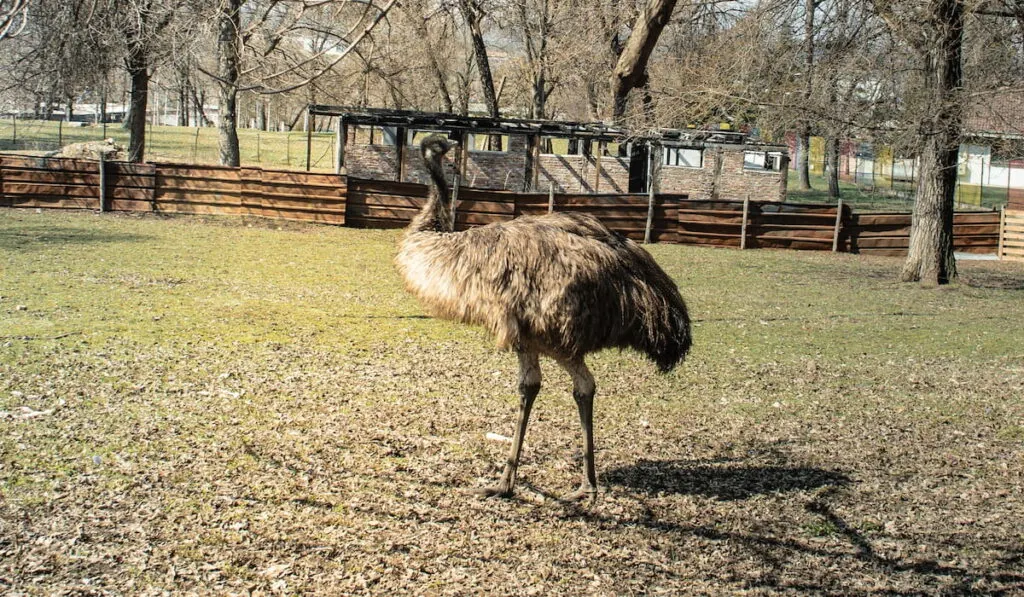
point(189, 145)
point(205, 404)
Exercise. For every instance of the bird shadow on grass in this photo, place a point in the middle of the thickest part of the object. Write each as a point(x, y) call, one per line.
point(720, 481)
point(24, 238)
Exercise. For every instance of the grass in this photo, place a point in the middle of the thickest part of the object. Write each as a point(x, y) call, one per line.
point(218, 406)
point(885, 195)
point(287, 150)
point(191, 145)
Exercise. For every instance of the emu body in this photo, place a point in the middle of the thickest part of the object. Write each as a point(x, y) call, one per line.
point(559, 285)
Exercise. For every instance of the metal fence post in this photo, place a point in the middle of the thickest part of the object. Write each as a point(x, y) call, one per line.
point(455, 196)
point(103, 183)
point(743, 224)
point(650, 212)
point(839, 223)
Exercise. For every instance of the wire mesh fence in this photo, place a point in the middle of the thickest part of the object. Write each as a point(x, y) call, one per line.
point(178, 144)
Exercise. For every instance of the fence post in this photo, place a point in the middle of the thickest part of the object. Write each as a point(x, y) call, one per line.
point(339, 146)
point(743, 224)
point(551, 197)
point(455, 196)
point(103, 183)
point(309, 138)
point(1002, 230)
point(839, 223)
point(650, 212)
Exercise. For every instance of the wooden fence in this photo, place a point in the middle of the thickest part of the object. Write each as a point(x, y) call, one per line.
point(335, 199)
point(1011, 235)
point(169, 188)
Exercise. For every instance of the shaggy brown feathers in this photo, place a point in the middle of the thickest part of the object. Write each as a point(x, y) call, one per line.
point(561, 285)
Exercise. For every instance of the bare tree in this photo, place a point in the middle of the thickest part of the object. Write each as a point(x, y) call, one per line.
point(262, 47)
point(631, 70)
point(13, 17)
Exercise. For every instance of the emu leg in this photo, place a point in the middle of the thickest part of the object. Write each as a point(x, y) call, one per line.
point(583, 389)
point(529, 386)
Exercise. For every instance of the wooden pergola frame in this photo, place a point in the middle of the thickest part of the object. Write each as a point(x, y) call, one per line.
point(457, 127)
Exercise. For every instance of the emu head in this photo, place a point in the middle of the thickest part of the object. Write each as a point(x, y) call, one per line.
point(435, 146)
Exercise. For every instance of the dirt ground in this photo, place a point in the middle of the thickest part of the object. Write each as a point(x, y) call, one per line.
point(201, 407)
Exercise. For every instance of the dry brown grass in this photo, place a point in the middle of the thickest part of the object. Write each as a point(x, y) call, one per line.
point(226, 409)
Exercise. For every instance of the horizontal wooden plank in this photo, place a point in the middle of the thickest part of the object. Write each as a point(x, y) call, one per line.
point(21, 188)
point(298, 216)
point(195, 184)
point(53, 202)
point(197, 170)
point(976, 218)
point(51, 177)
point(70, 166)
point(199, 196)
point(198, 208)
point(387, 187)
point(292, 199)
point(367, 222)
point(44, 163)
point(130, 205)
point(295, 208)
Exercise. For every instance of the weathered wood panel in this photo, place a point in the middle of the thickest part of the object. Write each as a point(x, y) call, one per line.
point(334, 199)
point(889, 234)
point(1011, 242)
point(769, 225)
point(49, 183)
point(296, 196)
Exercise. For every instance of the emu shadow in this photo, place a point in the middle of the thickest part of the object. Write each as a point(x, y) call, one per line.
point(720, 481)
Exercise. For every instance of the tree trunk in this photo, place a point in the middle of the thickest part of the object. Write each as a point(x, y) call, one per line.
point(229, 25)
point(631, 70)
point(261, 114)
point(832, 165)
point(473, 16)
point(803, 164)
point(930, 258)
point(803, 159)
point(138, 71)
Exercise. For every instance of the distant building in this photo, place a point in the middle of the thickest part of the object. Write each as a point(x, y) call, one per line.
point(535, 155)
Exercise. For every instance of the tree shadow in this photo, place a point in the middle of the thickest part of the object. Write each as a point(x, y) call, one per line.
point(720, 481)
point(1004, 280)
point(25, 238)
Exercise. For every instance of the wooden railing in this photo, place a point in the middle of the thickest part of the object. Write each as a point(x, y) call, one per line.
point(337, 199)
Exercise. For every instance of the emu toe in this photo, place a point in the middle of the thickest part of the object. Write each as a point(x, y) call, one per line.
point(583, 494)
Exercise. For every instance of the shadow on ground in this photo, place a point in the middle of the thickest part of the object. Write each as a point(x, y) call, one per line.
point(24, 238)
point(721, 481)
point(1006, 280)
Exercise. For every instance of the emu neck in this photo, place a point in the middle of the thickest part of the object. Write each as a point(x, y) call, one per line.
point(436, 214)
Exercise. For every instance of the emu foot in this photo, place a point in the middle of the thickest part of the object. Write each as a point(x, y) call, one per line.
point(585, 493)
point(499, 491)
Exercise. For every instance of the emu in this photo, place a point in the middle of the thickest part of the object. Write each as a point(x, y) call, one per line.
point(559, 285)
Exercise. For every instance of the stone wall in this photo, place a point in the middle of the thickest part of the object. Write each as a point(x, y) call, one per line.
point(578, 174)
point(484, 169)
point(722, 175)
